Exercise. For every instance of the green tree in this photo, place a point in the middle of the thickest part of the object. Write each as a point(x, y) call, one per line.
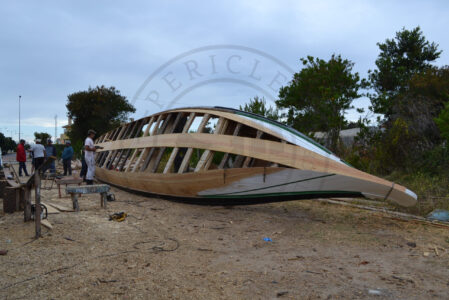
point(7, 143)
point(443, 122)
point(319, 95)
point(43, 136)
point(259, 106)
point(100, 108)
point(408, 54)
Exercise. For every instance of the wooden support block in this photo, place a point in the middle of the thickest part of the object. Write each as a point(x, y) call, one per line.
point(18, 196)
point(3, 185)
point(9, 200)
point(27, 210)
point(76, 206)
point(104, 200)
point(37, 204)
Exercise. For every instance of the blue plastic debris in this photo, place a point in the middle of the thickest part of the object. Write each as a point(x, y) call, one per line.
point(267, 239)
point(439, 215)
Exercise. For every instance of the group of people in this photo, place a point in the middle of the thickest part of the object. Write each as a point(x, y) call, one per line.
point(40, 152)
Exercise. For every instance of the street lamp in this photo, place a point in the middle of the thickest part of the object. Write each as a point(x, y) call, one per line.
point(19, 117)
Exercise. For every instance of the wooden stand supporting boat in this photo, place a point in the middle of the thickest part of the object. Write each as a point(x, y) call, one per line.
point(209, 153)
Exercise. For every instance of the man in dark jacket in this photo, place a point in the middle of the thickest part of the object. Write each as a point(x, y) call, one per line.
point(67, 156)
point(21, 157)
point(50, 150)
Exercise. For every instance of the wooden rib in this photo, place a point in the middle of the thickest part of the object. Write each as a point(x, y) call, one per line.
point(158, 131)
point(125, 152)
point(110, 134)
point(113, 153)
point(249, 158)
point(148, 152)
point(206, 158)
point(169, 129)
point(132, 134)
point(137, 149)
point(239, 119)
point(226, 156)
point(186, 160)
point(175, 151)
point(144, 151)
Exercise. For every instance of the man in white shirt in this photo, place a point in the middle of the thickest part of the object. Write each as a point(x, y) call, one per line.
point(38, 153)
point(89, 156)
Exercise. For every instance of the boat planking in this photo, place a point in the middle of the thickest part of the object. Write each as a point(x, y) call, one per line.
point(210, 154)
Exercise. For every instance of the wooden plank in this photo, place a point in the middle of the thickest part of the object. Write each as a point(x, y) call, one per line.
point(188, 155)
point(248, 159)
point(27, 210)
point(62, 207)
point(183, 185)
point(206, 158)
point(47, 224)
point(37, 204)
point(50, 209)
point(237, 128)
point(88, 189)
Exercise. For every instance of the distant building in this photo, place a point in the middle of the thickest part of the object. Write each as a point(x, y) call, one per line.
point(65, 136)
point(347, 136)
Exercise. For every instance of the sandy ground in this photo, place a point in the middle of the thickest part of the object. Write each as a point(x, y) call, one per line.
point(167, 250)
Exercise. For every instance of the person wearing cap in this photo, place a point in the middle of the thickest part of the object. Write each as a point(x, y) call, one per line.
point(89, 156)
point(50, 150)
point(21, 157)
point(67, 156)
point(38, 151)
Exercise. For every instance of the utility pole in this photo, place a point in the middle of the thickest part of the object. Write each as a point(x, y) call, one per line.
point(19, 117)
point(56, 128)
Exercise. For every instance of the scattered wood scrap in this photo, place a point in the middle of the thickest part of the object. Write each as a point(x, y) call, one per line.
point(395, 215)
point(51, 209)
point(46, 224)
point(60, 207)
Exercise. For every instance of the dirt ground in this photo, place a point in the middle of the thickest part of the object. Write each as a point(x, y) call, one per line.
point(168, 250)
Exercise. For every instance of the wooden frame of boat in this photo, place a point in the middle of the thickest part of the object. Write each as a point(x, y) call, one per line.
point(215, 153)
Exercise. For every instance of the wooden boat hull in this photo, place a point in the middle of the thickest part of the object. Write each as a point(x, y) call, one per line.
point(267, 160)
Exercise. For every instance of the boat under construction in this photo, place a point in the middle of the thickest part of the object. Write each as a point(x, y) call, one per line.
point(220, 155)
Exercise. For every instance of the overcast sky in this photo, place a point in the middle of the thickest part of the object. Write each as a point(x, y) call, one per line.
point(185, 53)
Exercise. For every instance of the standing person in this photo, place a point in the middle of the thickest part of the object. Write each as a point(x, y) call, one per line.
point(38, 153)
point(89, 156)
point(21, 157)
point(1, 163)
point(83, 171)
point(67, 156)
point(50, 150)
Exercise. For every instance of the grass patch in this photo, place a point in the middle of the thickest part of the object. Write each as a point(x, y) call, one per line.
point(432, 191)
